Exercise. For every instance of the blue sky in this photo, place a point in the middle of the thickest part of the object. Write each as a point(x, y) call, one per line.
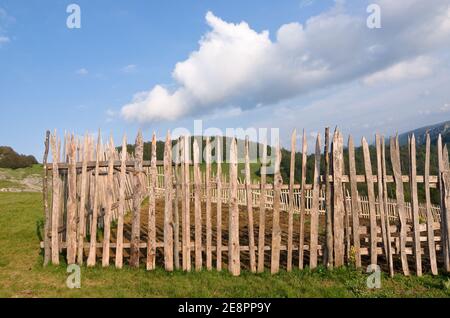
point(52, 77)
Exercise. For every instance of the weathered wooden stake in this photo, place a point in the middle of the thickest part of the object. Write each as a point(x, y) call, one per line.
point(430, 219)
point(356, 206)
point(219, 204)
point(291, 202)
point(301, 249)
point(415, 206)
point(109, 202)
point(276, 229)
point(197, 208)
point(47, 212)
point(314, 232)
point(137, 200)
point(151, 248)
point(121, 212)
point(338, 199)
point(262, 209)
point(56, 205)
point(168, 213)
point(234, 246)
point(208, 206)
point(396, 167)
point(249, 193)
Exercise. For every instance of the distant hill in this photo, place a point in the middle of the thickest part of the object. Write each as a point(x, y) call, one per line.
point(421, 133)
point(11, 159)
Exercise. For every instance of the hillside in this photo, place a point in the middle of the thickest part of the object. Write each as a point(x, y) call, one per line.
point(421, 133)
point(11, 159)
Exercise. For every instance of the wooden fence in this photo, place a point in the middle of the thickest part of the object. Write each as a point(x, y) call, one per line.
point(94, 211)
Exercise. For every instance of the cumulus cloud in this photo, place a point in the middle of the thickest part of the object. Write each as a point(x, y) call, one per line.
point(238, 67)
point(416, 68)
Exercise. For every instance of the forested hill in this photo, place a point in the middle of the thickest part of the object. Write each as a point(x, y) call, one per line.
point(11, 159)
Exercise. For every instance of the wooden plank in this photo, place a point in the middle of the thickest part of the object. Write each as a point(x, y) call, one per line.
point(445, 250)
point(121, 211)
point(137, 200)
point(208, 205)
point(430, 218)
point(328, 257)
point(71, 227)
point(83, 197)
point(314, 232)
point(385, 203)
point(187, 207)
point(276, 228)
point(303, 202)
point(108, 209)
point(356, 205)
point(249, 193)
point(262, 208)
point(233, 249)
point(219, 204)
point(396, 167)
point(56, 204)
point(291, 202)
point(446, 179)
point(176, 212)
point(151, 249)
point(47, 212)
point(338, 199)
point(168, 213)
point(92, 257)
point(381, 196)
point(197, 208)
point(372, 207)
point(415, 206)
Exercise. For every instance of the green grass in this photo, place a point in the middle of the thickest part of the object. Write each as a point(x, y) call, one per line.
point(22, 273)
point(22, 173)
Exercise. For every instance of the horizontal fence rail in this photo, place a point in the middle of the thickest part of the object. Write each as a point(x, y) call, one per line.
point(102, 205)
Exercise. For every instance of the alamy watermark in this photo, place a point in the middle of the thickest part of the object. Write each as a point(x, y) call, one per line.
point(74, 19)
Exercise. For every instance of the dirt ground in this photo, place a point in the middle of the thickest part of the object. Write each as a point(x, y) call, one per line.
point(244, 239)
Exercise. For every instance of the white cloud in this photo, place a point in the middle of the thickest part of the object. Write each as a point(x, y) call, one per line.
point(237, 66)
point(129, 68)
point(5, 20)
point(82, 72)
point(4, 39)
point(416, 68)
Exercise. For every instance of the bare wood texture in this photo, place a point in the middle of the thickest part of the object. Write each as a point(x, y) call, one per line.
point(396, 167)
point(233, 249)
point(276, 228)
point(168, 213)
point(197, 208)
point(415, 206)
point(249, 193)
point(430, 218)
point(56, 204)
point(356, 207)
point(385, 203)
point(314, 232)
point(47, 212)
point(219, 204)
point(301, 250)
point(137, 200)
point(291, 202)
point(108, 209)
point(92, 257)
point(262, 208)
point(372, 208)
point(328, 257)
point(208, 193)
point(338, 200)
point(121, 211)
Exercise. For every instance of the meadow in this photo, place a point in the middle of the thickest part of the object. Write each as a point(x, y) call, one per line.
point(23, 275)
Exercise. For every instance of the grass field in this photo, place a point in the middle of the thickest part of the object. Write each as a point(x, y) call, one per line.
point(22, 274)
